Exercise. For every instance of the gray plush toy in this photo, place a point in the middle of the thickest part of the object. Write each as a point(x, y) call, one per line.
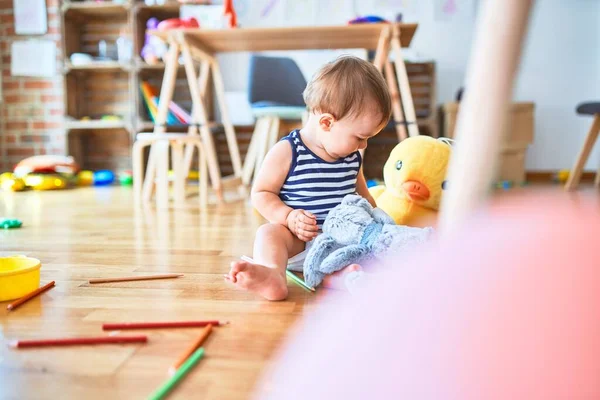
point(355, 232)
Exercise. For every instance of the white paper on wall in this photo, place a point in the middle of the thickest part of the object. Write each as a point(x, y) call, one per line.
point(30, 17)
point(33, 58)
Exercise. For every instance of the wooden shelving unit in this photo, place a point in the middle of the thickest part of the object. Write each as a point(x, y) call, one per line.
point(109, 87)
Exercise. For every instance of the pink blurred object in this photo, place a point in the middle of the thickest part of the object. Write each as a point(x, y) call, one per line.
point(49, 164)
point(507, 309)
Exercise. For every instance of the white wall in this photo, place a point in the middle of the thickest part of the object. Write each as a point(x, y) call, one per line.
point(560, 64)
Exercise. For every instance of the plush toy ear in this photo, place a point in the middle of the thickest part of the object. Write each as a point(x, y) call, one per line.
point(322, 247)
point(382, 217)
point(358, 201)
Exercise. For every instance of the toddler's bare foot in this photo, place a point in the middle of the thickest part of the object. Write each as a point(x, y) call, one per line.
point(267, 282)
point(337, 279)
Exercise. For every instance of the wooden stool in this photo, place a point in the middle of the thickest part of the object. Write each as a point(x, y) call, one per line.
point(160, 145)
point(575, 175)
point(265, 135)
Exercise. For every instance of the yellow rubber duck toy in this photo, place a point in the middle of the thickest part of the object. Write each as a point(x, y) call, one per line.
point(414, 177)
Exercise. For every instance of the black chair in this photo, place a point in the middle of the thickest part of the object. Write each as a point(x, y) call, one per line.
point(591, 108)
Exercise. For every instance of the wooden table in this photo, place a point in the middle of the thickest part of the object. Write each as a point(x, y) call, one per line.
point(200, 45)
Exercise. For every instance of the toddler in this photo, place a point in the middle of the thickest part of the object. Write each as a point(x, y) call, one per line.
point(309, 172)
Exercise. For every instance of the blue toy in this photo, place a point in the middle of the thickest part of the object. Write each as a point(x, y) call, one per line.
point(369, 19)
point(103, 177)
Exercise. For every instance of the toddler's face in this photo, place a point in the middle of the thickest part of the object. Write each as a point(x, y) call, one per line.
point(344, 137)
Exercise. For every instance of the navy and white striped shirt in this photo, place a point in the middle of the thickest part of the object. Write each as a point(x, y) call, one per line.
point(315, 185)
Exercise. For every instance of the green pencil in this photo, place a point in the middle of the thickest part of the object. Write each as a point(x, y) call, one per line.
point(177, 376)
point(298, 281)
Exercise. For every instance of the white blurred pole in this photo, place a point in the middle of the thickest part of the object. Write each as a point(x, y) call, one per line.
point(499, 35)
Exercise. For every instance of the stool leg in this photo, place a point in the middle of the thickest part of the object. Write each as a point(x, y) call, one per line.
point(203, 177)
point(263, 142)
point(162, 174)
point(273, 133)
point(250, 159)
point(597, 180)
point(179, 178)
point(138, 169)
point(575, 174)
point(148, 184)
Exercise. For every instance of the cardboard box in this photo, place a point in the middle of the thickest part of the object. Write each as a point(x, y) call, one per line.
point(518, 135)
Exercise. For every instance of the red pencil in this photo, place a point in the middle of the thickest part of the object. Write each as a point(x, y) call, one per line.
point(79, 341)
point(29, 296)
point(158, 325)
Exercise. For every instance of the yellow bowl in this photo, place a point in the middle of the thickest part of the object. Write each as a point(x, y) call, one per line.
point(19, 275)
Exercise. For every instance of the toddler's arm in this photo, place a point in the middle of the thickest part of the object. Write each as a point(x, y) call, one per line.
point(265, 194)
point(362, 189)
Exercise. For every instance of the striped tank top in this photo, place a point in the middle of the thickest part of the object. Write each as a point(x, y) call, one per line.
point(315, 185)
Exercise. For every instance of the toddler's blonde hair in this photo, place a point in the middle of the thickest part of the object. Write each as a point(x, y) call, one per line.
point(348, 86)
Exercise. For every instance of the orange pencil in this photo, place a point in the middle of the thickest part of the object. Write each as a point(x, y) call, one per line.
point(29, 296)
point(134, 278)
point(205, 333)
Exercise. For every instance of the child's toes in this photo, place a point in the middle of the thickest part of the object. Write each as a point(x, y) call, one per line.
point(236, 268)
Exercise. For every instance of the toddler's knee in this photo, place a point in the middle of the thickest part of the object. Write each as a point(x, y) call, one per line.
point(271, 230)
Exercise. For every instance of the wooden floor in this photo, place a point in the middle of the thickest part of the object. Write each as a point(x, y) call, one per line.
point(96, 232)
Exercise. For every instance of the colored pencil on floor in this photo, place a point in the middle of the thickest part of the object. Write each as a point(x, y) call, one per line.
point(78, 341)
point(205, 333)
point(289, 274)
point(179, 374)
point(158, 325)
point(135, 278)
point(298, 281)
point(29, 296)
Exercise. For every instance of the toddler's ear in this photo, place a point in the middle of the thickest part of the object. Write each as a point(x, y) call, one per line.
point(326, 121)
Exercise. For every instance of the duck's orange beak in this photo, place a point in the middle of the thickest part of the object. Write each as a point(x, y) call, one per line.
point(416, 191)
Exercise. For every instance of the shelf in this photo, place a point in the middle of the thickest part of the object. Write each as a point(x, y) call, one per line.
point(170, 6)
point(98, 66)
point(95, 124)
point(90, 8)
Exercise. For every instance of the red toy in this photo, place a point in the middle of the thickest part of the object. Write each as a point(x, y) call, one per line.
point(229, 13)
point(175, 23)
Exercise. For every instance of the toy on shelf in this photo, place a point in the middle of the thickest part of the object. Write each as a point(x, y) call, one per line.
point(229, 13)
point(176, 115)
point(154, 48)
point(414, 176)
point(369, 19)
point(176, 23)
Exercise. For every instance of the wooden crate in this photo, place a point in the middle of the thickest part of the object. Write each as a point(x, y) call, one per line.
point(86, 24)
point(94, 93)
point(95, 149)
point(518, 135)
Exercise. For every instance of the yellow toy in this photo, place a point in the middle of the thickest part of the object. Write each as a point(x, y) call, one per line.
point(19, 275)
point(414, 181)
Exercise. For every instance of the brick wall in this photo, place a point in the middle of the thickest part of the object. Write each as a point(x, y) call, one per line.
point(31, 112)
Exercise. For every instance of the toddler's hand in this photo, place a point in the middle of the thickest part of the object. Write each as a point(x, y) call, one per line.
point(302, 224)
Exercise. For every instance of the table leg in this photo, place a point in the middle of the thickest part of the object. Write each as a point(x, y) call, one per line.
point(490, 78)
point(407, 101)
point(199, 117)
point(189, 148)
point(232, 144)
point(382, 51)
point(166, 95)
point(396, 105)
point(179, 179)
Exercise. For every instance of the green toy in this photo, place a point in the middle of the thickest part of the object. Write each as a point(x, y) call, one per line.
point(7, 223)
